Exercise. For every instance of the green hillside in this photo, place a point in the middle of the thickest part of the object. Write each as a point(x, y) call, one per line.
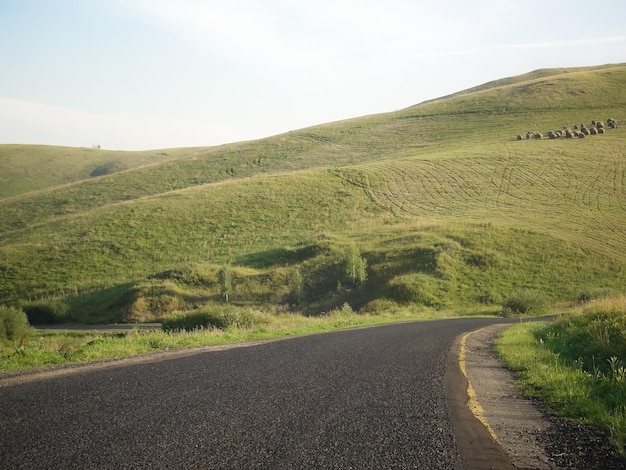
point(27, 168)
point(446, 207)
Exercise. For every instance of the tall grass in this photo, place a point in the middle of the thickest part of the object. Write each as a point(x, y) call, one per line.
point(576, 365)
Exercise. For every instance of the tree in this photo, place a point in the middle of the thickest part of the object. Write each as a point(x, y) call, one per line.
point(225, 279)
point(356, 266)
point(297, 288)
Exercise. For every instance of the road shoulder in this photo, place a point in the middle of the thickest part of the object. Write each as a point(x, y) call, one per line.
point(531, 437)
point(515, 420)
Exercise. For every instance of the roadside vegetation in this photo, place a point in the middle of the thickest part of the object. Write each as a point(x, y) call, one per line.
point(576, 365)
point(24, 348)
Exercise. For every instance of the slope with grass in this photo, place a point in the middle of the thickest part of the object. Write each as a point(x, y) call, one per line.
point(448, 209)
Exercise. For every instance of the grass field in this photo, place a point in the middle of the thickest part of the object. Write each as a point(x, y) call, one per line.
point(447, 208)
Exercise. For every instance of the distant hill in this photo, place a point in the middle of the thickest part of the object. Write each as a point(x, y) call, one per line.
point(27, 168)
point(446, 206)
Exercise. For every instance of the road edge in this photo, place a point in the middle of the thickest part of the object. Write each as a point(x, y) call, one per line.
point(477, 447)
point(496, 402)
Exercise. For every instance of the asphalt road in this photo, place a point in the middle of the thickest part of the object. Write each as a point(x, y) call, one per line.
point(363, 398)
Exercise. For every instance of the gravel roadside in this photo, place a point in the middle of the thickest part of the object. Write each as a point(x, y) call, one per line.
point(532, 437)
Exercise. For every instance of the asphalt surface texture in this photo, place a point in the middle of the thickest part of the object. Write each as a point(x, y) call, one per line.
point(362, 398)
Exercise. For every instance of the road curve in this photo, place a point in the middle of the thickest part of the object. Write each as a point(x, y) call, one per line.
point(363, 398)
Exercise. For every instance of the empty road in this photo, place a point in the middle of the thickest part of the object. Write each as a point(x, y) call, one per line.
point(364, 398)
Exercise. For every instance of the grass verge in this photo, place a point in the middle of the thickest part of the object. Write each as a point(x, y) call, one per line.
point(575, 365)
point(48, 348)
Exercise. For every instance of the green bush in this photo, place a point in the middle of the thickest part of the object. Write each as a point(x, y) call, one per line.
point(218, 316)
point(44, 312)
point(13, 323)
point(588, 294)
point(380, 306)
point(525, 302)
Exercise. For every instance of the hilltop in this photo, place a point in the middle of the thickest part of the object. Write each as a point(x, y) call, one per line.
point(439, 204)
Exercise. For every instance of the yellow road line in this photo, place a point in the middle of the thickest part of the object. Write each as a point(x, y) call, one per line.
point(472, 403)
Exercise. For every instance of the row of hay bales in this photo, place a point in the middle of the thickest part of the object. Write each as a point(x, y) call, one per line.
point(578, 131)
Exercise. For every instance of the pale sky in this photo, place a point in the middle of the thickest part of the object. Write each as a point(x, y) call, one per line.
point(149, 74)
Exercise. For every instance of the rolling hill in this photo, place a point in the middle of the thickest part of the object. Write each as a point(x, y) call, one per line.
point(446, 207)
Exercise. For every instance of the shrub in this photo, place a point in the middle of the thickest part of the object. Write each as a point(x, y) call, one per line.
point(13, 323)
point(525, 302)
point(219, 316)
point(44, 312)
point(153, 300)
point(345, 310)
point(586, 295)
point(380, 306)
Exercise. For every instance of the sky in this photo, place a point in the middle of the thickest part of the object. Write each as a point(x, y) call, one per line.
point(153, 74)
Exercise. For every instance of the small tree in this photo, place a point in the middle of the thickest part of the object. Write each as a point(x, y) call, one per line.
point(297, 288)
point(225, 278)
point(356, 266)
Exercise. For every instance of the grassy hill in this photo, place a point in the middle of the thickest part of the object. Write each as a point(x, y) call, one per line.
point(448, 209)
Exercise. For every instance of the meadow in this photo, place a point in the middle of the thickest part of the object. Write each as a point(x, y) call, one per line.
point(447, 208)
